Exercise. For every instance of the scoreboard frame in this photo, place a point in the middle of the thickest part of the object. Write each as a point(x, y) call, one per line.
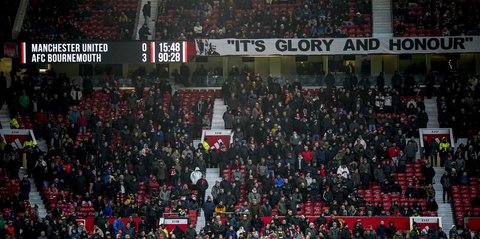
point(110, 52)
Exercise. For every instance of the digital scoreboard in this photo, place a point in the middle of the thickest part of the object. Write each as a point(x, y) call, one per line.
point(104, 52)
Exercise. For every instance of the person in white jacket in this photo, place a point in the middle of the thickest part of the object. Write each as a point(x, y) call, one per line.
point(196, 175)
point(343, 171)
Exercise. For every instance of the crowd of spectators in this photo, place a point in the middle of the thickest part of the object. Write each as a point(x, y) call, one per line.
point(79, 19)
point(263, 19)
point(458, 104)
point(435, 18)
point(130, 153)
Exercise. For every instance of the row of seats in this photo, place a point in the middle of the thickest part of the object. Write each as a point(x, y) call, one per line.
point(373, 194)
point(462, 197)
point(88, 20)
point(9, 187)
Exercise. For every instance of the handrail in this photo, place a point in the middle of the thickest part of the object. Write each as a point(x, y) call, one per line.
point(20, 18)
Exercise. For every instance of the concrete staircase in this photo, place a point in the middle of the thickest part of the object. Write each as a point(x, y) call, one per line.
point(219, 109)
point(432, 111)
point(140, 20)
point(34, 197)
point(444, 209)
point(213, 175)
point(382, 18)
point(5, 117)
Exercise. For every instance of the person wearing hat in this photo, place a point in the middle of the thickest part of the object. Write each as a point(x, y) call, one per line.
point(370, 233)
point(195, 175)
point(453, 234)
point(358, 228)
point(444, 148)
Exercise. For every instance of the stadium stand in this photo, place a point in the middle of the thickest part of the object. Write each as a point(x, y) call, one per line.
point(85, 19)
point(457, 107)
point(300, 157)
point(111, 167)
point(263, 19)
point(435, 18)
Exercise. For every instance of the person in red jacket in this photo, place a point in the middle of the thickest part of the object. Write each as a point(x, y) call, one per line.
point(82, 122)
point(394, 152)
point(307, 155)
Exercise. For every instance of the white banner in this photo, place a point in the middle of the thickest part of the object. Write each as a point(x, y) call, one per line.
point(175, 221)
point(337, 46)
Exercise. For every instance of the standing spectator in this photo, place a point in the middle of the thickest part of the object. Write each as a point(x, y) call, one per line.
point(453, 234)
point(334, 232)
point(144, 32)
point(432, 205)
point(25, 187)
point(428, 172)
point(196, 175)
point(87, 86)
point(190, 233)
point(444, 148)
point(345, 233)
point(208, 209)
point(76, 94)
point(442, 234)
point(24, 102)
point(434, 147)
point(202, 186)
point(381, 231)
point(147, 11)
point(185, 74)
point(411, 150)
point(430, 81)
point(397, 81)
point(198, 29)
point(447, 186)
point(380, 82)
point(118, 226)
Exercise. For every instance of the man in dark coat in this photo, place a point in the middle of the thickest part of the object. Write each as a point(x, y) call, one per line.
point(208, 208)
point(202, 186)
point(147, 10)
point(428, 172)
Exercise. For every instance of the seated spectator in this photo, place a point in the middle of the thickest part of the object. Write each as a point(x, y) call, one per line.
point(220, 209)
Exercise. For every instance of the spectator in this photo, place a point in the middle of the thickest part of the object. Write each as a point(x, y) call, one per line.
point(147, 11)
point(453, 232)
point(196, 175)
point(118, 226)
point(428, 172)
point(144, 32)
point(432, 205)
point(381, 230)
point(447, 187)
point(411, 150)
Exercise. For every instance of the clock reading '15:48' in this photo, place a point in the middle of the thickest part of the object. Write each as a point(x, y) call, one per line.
point(168, 52)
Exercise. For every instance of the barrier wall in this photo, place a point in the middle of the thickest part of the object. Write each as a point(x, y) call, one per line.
point(473, 223)
point(401, 223)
